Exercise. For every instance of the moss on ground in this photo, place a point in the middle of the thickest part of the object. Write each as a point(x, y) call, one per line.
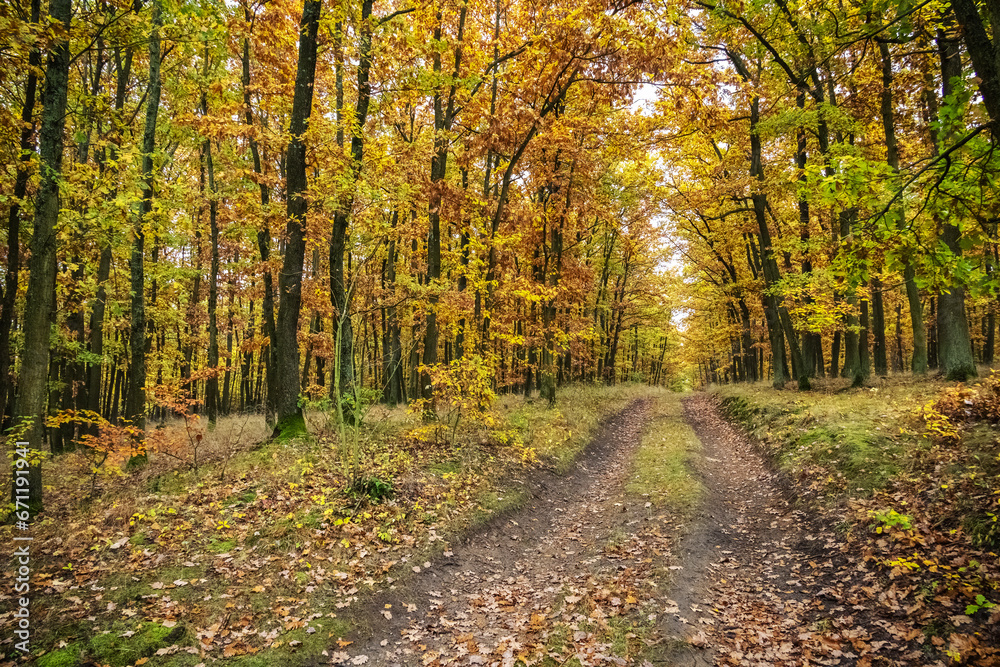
point(69, 656)
point(122, 645)
point(854, 441)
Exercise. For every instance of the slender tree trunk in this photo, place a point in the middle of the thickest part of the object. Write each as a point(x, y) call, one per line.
point(810, 342)
point(97, 309)
point(73, 371)
point(777, 316)
point(983, 51)
point(991, 316)
point(391, 348)
point(315, 327)
point(340, 292)
point(263, 240)
point(932, 336)
point(989, 342)
point(444, 115)
point(879, 347)
point(289, 414)
point(226, 406)
point(919, 360)
point(897, 358)
point(98, 305)
point(40, 298)
point(135, 396)
point(13, 268)
point(212, 382)
point(864, 353)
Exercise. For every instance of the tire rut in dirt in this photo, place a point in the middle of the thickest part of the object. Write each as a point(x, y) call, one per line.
point(477, 602)
point(734, 532)
point(765, 570)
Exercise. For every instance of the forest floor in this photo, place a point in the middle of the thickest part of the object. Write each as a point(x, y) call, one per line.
point(591, 573)
point(667, 536)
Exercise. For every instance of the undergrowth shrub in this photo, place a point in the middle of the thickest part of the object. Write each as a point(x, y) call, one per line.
point(104, 449)
point(461, 390)
point(373, 488)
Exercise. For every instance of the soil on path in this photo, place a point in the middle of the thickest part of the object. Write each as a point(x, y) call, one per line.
point(747, 580)
point(782, 586)
point(741, 557)
point(491, 598)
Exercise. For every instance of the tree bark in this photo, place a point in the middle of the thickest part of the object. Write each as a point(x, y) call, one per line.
point(13, 268)
point(392, 354)
point(444, 116)
point(40, 298)
point(135, 396)
point(954, 345)
point(212, 382)
point(263, 239)
point(778, 318)
point(289, 414)
point(983, 52)
point(918, 364)
point(880, 351)
point(340, 292)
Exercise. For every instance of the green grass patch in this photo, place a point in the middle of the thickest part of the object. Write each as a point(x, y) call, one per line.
point(122, 645)
point(854, 442)
point(558, 435)
point(446, 467)
point(298, 647)
point(122, 588)
point(218, 546)
point(662, 467)
point(496, 503)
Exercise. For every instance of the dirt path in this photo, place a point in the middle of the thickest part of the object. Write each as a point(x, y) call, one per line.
point(781, 585)
point(742, 582)
point(740, 552)
point(488, 600)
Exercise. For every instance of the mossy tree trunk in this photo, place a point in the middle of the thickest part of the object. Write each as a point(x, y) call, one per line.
point(286, 386)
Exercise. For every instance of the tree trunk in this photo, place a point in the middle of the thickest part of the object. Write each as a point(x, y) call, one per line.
point(897, 358)
point(40, 298)
point(954, 345)
point(212, 382)
point(392, 354)
point(444, 116)
point(811, 343)
point(982, 51)
point(879, 346)
point(289, 414)
point(918, 364)
point(263, 240)
point(778, 315)
point(864, 354)
point(13, 268)
point(340, 293)
point(135, 395)
point(226, 405)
